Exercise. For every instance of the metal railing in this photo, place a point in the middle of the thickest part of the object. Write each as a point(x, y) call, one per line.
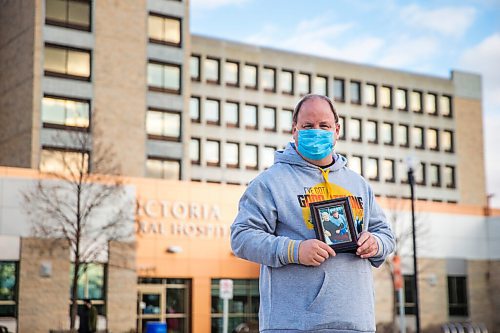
point(464, 328)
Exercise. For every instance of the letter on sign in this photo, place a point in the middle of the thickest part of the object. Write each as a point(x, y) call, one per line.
point(226, 289)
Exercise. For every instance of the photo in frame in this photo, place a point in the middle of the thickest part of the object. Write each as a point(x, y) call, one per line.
point(333, 223)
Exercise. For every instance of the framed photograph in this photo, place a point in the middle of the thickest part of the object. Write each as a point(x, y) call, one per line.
point(334, 224)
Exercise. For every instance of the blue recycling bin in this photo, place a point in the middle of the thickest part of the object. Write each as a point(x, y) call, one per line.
point(156, 327)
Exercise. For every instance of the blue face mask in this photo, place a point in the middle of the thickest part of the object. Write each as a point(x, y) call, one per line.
point(315, 144)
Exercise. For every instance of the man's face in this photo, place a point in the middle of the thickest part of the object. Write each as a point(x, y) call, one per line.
point(315, 113)
point(336, 214)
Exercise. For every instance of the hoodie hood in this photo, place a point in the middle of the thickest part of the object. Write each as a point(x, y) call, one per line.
point(290, 156)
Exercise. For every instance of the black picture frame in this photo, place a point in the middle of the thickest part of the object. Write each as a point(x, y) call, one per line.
point(340, 233)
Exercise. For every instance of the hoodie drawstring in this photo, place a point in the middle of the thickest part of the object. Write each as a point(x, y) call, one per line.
point(328, 185)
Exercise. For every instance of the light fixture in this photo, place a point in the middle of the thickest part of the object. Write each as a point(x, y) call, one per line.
point(174, 249)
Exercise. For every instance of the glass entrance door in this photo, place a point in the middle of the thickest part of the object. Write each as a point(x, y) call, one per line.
point(164, 300)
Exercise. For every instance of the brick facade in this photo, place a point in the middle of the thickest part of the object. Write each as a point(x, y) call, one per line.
point(43, 300)
point(121, 287)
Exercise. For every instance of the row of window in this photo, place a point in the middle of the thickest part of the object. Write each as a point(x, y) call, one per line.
point(77, 14)
point(231, 154)
point(458, 304)
point(255, 77)
point(390, 170)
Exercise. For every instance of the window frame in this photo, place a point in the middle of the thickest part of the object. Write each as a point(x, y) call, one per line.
point(218, 61)
point(238, 120)
point(405, 92)
point(67, 24)
point(391, 98)
point(198, 161)
point(376, 139)
point(213, 164)
point(163, 89)
point(274, 128)
point(164, 159)
point(211, 122)
point(360, 137)
point(163, 42)
point(66, 127)
point(165, 137)
point(229, 165)
point(256, 66)
point(67, 150)
point(292, 82)
point(393, 178)
point(64, 75)
point(308, 75)
point(198, 78)
point(237, 63)
point(375, 99)
point(256, 127)
point(341, 81)
point(353, 83)
point(273, 90)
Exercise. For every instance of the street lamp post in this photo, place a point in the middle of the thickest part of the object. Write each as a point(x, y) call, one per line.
point(411, 181)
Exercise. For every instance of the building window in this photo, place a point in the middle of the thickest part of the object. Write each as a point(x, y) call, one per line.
point(163, 125)
point(64, 112)
point(416, 101)
point(449, 176)
point(339, 90)
point(250, 119)
point(356, 164)
point(164, 77)
point(269, 79)
point(232, 155)
point(243, 308)
point(194, 151)
point(431, 104)
point(212, 152)
point(321, 85)
point(212, 70)
point(435, 175)
point(457, 296)
point(303, 84)
point(445, 106)
point(8, 288)
point(194, 109)
point(286, 82)
point(372, 168)
point(403, 172)
point(447, 141)
point(231, 114)
point(269, 118)
point(74, 14)
point(62, 61)
point(386, 97)
point(433, 139)
point(212, 111)
point(164, 30)
point(56, 160)
point(231, 73)
point(388, 169)
point(268, 156)
point(355, 92)
point(251, 157)
point(355, 129)
point(387, 134)
point(420, 175)
point(194, 68)
point(342, 128)
point(250, 76)
point(371, 128)
point(409, 295)
point(418, 137)
point(371, 94)
point(402, 99)
point(403, 137)
point(286, 120)
point(162, 168)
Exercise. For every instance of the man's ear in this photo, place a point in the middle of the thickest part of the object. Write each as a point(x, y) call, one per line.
point(294, 128)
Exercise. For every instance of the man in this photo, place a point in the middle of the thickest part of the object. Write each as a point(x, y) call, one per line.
point(304, 285)
point(336, 226)
point(88, 318)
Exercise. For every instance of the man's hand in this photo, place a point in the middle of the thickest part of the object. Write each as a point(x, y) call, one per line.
point(368, 245)
point(313, 252)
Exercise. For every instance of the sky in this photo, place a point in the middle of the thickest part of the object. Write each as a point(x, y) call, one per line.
point(427, 37)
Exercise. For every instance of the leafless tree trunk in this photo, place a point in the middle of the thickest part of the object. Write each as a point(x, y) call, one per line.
point(86, 208)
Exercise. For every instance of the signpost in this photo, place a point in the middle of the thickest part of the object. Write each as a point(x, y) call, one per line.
point(226, 293)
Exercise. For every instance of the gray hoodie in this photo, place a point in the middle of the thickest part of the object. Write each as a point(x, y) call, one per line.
point(273, 219)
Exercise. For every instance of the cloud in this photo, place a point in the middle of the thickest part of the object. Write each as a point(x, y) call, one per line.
point(447, 21)
point(319, 37)
point(407, 51)
point(484, 58)
point(212, 4)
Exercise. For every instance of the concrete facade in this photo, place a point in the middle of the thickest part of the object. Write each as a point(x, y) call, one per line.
point(43, 285)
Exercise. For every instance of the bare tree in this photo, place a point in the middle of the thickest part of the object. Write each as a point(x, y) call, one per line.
point(397, 213)
point(86, 208)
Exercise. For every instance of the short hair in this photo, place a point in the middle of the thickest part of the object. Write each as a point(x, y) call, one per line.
point(87, 301)
point(307, 97)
